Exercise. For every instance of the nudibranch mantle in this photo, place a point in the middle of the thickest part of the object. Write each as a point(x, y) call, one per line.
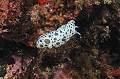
point(57, 37)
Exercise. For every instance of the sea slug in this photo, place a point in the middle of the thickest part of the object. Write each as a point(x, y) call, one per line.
point(57, 37)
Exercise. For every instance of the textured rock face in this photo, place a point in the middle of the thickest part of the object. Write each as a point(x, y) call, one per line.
point(57, 37)
point(94, 56)
point(10, 12)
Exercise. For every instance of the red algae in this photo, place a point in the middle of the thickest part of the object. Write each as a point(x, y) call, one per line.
point(17, 69)
point(10, 12)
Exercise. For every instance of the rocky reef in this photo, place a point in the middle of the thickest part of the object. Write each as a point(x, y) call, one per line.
point(95, 54)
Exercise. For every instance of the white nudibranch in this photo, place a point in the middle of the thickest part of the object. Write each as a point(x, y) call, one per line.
point(57, 37)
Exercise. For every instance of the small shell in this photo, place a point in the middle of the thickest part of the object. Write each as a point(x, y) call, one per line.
point(57, 37)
